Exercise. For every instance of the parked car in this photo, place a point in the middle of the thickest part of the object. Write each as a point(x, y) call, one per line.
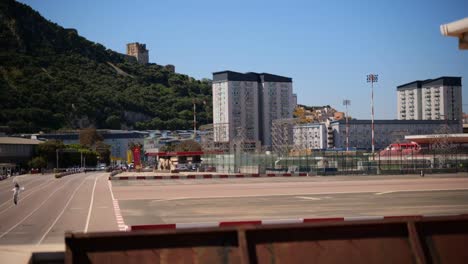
point(182, 167)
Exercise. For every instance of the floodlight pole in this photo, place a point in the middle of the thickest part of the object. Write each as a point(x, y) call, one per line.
point(347, 102)
point(372, 78)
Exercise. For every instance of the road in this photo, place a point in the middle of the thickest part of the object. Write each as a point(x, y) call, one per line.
point(48, 207)
point(211, 200)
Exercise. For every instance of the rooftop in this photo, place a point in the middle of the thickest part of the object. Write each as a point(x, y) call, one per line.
point(444, 80)
point(19, 141)
point(249, 76)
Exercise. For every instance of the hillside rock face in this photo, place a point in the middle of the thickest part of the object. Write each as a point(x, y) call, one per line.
point(52, 78)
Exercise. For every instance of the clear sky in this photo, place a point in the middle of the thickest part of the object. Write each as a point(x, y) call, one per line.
point(327, 47)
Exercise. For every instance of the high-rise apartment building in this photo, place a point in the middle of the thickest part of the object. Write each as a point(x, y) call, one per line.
point(433, 99)
point(138, 51)
point(247, 103)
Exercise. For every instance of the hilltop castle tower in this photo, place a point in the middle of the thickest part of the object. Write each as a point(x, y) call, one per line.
point(138, 51)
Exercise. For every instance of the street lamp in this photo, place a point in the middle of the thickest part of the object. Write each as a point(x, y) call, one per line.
point(372, 78)
point(347, 102)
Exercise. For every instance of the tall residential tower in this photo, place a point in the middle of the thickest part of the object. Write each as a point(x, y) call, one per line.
point(249, 102)
point(433, 99)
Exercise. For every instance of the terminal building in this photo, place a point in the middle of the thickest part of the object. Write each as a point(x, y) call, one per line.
point(15, 153)
point(118, 140)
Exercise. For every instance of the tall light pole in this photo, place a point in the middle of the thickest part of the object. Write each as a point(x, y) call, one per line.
point(347, 102)
point(194, 120)
point(372, 78)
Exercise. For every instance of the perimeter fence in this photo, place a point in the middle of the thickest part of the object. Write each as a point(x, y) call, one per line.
point(339, 162)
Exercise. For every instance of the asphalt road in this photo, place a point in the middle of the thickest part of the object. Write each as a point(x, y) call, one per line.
point(48, 207)
point(184, 201)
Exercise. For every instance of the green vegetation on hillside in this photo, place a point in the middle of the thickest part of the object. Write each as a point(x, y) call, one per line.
point(51, 78)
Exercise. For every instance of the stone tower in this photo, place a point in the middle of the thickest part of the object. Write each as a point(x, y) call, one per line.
point(138, 51)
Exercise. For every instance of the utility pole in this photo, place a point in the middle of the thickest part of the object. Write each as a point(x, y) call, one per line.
point(372, 78)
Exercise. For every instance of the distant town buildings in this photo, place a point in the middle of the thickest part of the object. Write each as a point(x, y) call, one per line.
point(313, 114)
point(138, 51)
point(433, 99)
point(245, 104)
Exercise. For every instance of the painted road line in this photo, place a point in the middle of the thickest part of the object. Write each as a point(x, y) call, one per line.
point(17, 224)
point(90, 206)
point(118, 216)
point(309, 198)
point(387, 192)
point(61, 213)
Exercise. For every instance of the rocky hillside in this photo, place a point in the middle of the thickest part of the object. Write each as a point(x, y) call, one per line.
point(52, 78)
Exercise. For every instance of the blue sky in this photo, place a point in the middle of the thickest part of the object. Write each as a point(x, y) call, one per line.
point(327, 47)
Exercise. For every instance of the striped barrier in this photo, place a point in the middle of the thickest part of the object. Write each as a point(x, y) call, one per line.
point(284, 221)
point(206, 176)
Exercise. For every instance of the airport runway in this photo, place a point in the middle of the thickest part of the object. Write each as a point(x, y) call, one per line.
point(48, 207)
point(185, 201)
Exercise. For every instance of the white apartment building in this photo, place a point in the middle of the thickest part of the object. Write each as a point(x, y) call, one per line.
point(310, 136)
point(433, 99)
point(247, 103)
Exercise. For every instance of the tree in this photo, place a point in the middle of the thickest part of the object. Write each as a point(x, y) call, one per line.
point(37, 162)
point(48, 150)
point(104, 152)
point(113, 122)
point(89, 137)
point(187, 145)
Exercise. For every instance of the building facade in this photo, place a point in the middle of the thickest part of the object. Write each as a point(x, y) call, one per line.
point(310, 136)
point(245, 104)
point(117, 139)
point(15, 153)
point(386, 131)
point(138, 51)
point(433, 99)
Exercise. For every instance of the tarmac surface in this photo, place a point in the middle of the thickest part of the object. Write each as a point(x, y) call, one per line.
point(48, 207)
point(210, 200)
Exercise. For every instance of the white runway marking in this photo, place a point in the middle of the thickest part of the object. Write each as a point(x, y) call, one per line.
point(90, 206)
point(22, 220)
point(29, 191)
point(118, 215)
point(380, 193)
point(61, 213)
point(309, 198)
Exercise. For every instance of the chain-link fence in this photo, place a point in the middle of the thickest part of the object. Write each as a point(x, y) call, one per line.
point(338, 162)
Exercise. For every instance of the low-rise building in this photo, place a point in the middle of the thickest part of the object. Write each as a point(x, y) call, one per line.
point(118, 140)
point(386, 131)
point(310, 136)
point(15, 153)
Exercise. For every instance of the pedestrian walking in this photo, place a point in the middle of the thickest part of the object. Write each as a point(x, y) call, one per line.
point(16, 190)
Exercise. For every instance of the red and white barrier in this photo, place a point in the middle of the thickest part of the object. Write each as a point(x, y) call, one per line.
point(280, 221)
point(205, 176)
